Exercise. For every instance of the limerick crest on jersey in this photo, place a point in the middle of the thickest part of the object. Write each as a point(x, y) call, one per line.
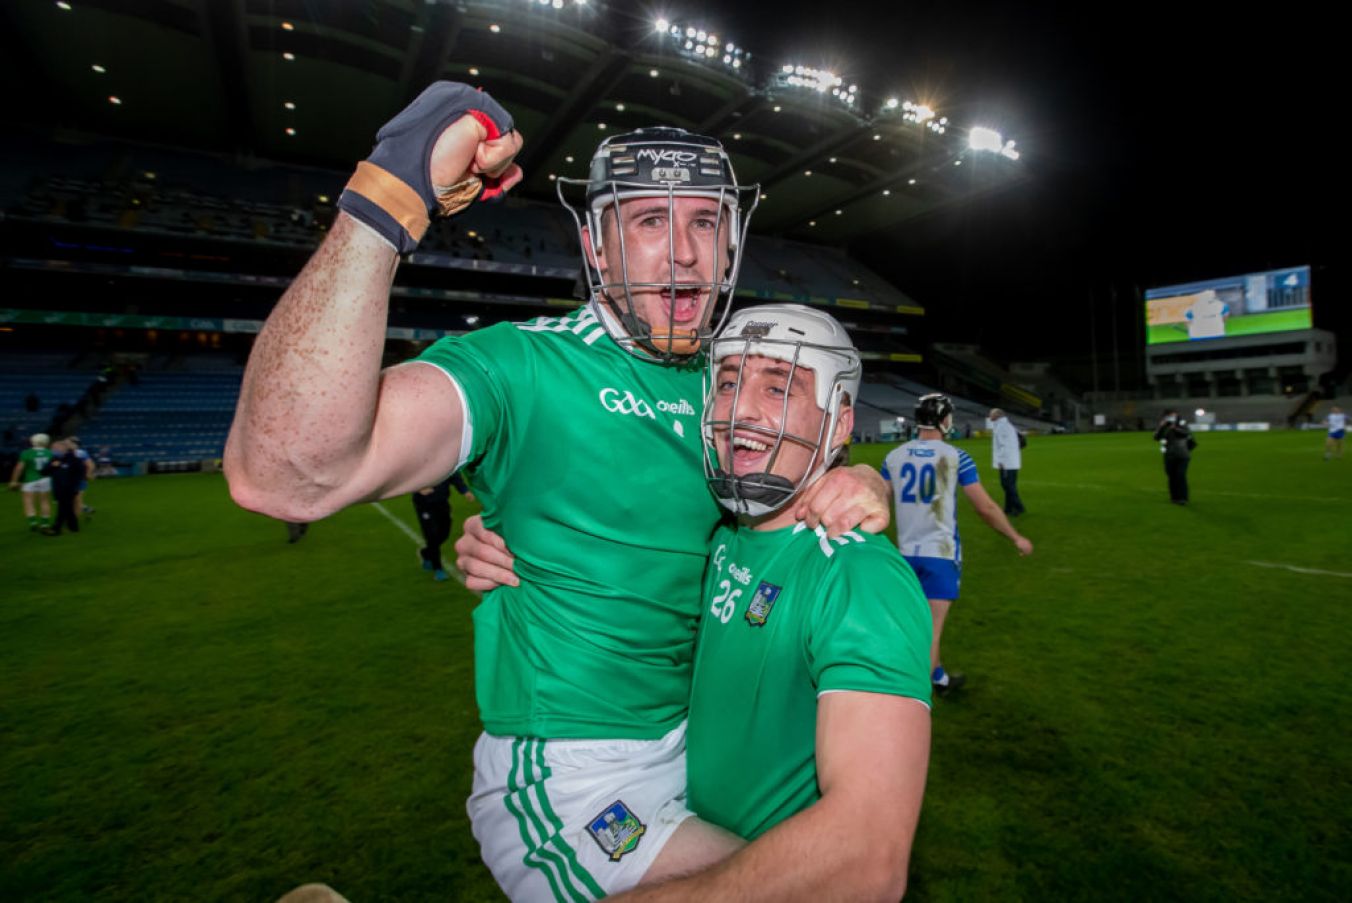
point(616, 830)
point(759, 610)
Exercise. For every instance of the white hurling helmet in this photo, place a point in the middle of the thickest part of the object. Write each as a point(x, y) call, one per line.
point(803, 338)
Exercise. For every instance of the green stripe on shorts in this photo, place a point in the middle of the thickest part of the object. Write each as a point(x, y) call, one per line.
point(581, 873)
point(538, 858)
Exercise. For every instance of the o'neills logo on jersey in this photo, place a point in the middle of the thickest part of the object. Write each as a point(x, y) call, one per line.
point(667, 155)
point(676, 407)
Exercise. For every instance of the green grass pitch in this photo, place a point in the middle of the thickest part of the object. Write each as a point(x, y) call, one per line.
point(191, 709)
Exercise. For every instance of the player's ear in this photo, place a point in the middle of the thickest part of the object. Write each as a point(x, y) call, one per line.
point(844, 423)
point(593, 257)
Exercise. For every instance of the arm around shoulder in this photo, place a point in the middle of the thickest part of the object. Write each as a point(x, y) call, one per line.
point(872, 757)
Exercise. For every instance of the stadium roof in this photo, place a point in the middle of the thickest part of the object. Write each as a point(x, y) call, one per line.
point(1151, 153)
point(311, 82)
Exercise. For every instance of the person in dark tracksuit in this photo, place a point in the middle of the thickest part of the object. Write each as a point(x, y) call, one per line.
point(433, 505)
point(67, 472)
point(1177, 445)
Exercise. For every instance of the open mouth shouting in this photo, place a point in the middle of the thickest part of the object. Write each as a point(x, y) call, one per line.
point(683, 307)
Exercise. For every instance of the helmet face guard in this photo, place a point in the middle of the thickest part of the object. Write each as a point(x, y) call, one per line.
point(662, 165)
point(837, 370)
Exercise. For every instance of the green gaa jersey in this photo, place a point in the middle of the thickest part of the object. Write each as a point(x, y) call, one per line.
point(587, 461)
point(790, 615)
point(33, 460)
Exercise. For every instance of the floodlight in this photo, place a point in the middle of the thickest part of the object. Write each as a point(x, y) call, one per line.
point(984, 139)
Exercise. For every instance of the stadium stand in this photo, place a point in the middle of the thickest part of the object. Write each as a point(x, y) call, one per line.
point(1277, 411)
point(884, 396)
point(46, 375)
point(142, 205)
point(514, 232)
point(168, 417)
point(780, 266)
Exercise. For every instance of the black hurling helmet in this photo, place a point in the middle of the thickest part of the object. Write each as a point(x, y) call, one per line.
point(662, 164)
point(932, 410)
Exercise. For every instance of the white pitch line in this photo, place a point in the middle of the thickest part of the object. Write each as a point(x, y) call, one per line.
point(408, 531)
point(1141, 489)
point(1298, 570)
point(1286, 498)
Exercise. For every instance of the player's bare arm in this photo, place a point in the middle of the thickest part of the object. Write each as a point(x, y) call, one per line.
point(990, 512)
point(318, 425)
point(846, 498)
point(872, 756)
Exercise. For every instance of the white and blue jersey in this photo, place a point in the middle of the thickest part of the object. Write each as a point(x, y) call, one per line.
point(1337, 425)
point(925, 475)
point(83, 457)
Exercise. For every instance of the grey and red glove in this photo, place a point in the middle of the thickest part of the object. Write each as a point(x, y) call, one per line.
point(392, 190)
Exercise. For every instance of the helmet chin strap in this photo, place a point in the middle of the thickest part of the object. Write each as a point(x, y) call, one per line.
point(674, 342)
point(682, 342)
point(754, 494)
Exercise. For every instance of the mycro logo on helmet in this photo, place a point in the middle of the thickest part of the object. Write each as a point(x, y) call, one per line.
point(668, 155)
point(755, 328)
point(613, 401)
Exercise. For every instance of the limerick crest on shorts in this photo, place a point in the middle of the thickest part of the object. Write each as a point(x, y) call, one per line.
point(759, 610)
point(616, 830)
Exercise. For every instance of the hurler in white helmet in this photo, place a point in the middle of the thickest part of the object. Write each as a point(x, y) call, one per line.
point(812, 656)
point(755, 464)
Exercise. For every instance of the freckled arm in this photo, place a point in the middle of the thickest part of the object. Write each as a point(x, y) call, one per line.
point(318, 425)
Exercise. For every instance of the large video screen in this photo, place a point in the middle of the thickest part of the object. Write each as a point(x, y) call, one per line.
point(1274, 301)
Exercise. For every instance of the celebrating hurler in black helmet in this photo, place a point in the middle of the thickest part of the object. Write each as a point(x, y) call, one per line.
point(580, 436)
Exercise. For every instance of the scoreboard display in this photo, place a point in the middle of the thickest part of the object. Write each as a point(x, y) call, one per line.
point(1272, 301)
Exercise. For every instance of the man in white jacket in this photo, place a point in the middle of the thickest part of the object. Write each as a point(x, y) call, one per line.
point(1006, 458)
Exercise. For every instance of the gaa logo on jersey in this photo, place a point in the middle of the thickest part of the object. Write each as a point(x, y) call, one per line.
point(616, 830)
point(615, 402)
point(758, 612)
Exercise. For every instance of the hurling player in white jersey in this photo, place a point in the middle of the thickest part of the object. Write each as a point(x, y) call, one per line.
point(925, 475)
point(1206, 316)
point(1337, 423)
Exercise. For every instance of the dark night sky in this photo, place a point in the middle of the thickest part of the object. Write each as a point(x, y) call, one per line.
point(1166, 142)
